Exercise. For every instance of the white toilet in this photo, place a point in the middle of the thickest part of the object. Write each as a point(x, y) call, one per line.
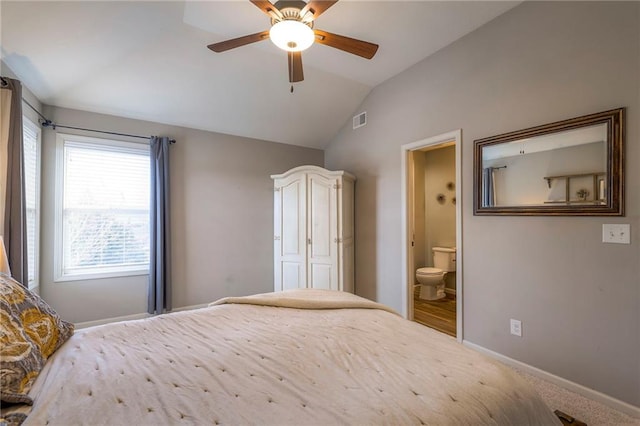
point(432, 279)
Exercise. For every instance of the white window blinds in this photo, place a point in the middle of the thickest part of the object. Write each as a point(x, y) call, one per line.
point(31, 150)
point(105, 218)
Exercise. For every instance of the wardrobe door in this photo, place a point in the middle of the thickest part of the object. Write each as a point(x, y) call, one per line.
point(322, 232)
point(290, 268)
point(346, 236)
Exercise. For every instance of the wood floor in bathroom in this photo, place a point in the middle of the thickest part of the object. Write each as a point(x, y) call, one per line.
point(437, 314)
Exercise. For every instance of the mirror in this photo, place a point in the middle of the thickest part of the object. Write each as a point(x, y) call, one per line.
point(571, 168)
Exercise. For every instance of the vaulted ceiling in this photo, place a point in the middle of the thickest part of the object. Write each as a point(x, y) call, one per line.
point(149, 60)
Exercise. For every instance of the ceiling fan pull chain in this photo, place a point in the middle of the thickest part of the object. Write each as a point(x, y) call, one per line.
point(290, 54)
point(290, 58)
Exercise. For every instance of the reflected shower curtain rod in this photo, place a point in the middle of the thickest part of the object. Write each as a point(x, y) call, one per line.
point(48, 123)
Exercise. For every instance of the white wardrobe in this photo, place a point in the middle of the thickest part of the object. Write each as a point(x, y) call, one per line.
point(313, 229)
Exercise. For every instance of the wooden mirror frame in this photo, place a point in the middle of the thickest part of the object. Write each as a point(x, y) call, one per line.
point(613, 204)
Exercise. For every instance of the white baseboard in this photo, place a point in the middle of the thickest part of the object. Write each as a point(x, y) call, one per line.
point(446, 290)
point(190, 307)
point(607, 400)
point(86, 324)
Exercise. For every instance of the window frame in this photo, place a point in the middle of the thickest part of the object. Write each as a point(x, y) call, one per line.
point(26, 122)
point(58, 258)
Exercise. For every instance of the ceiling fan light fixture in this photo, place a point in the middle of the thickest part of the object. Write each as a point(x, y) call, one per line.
point(292, 36)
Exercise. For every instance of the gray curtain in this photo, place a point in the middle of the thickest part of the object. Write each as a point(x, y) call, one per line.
point(15, 221)
point(159, 296)
point(488, 188)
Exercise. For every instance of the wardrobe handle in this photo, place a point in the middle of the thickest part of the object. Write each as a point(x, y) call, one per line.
point(309, 241)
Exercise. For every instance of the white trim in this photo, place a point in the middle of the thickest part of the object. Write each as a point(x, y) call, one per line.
point(407, 276)
point(190, 307)
point(132, 317)
point(58, 206)
point(86, 324)
point(116, 143)
point(451, 291)
point(600, 397)
point(314, 169)
point(97, 274)
point(63, 140)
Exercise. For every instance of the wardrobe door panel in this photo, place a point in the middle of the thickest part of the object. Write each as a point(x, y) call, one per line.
point(290, 234)
point(293, 275)
point(322, 276)
point(322, 215)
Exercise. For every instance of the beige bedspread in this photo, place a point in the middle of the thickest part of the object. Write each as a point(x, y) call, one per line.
point(291, 358)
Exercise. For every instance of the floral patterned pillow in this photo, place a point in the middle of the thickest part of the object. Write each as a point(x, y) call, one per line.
point(30, 331)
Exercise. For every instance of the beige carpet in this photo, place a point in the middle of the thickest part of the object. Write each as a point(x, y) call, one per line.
point(591, 412)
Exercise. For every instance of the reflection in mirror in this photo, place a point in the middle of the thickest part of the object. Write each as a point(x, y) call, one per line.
point(571, 167)
point(568, 166)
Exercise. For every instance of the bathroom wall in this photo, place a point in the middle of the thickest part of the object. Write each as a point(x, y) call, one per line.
point(440, 210)
point(434, 222)
point(419, 216)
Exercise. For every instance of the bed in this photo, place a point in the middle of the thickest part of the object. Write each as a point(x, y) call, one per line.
point(289, 358)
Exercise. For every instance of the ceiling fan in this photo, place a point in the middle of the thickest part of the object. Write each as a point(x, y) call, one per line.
point(292, 30)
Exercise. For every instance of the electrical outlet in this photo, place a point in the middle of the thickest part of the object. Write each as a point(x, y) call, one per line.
point(619, 233)
point(516, 327)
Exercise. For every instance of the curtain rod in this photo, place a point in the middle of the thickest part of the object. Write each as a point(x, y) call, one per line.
point(48, 123)
point(35, 110)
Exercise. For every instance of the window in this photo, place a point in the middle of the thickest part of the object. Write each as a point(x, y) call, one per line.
point(102, 216)
point(31, 142)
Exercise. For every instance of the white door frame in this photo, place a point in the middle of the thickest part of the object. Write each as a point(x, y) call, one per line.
point(408, 274)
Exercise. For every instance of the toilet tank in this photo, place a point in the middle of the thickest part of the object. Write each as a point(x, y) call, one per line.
point(444, 258)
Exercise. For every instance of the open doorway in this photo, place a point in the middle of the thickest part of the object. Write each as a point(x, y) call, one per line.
point(432, 232)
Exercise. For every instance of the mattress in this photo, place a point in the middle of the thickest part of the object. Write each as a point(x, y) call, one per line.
point(290, 358)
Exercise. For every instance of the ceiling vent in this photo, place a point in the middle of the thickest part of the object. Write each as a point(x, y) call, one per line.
point(360, 120)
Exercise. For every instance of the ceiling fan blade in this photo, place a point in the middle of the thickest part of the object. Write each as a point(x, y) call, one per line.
point(268, 8)
point(237, 42)
point(317, 7)
point(295, 67)
point(357, 47)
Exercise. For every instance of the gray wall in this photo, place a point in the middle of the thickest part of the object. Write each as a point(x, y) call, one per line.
point(221, 212)
point(578, 299)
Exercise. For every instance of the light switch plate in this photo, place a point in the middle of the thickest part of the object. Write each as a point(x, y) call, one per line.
point(516, 327)
point(618, 233)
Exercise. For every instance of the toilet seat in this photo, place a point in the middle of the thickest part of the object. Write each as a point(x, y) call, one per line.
point(429, 271)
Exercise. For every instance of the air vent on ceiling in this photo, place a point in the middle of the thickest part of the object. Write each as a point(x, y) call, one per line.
point(360, 120)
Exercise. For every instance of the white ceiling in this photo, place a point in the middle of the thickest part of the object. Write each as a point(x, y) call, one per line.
point(148, 60)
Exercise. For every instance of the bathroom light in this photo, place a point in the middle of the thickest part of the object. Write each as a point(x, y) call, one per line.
point(292, 36)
